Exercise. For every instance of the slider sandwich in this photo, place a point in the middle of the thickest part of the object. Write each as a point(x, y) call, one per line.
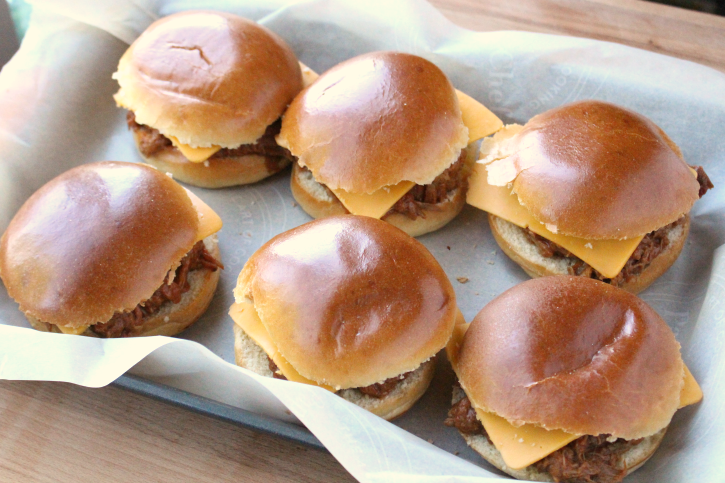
point(348, 303)
point(567, 379)
point(204, 92)
point(384, 135)
point(112, 249)
point(589, 189)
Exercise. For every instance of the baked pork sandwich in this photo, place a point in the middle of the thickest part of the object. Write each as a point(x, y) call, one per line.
point(384, 135)
point(588, 189)
point(112, 249)
point(348, 303)
point(567, 379)
point(205, 92)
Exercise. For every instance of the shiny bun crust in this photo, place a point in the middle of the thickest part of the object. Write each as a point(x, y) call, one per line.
point(350, 300)
point(598, 171)
point(632, 459)
point(89, 243)
point(249, 355)
point(574, 354)
point(376, 120)
point(516, 245)
point(208, 78)
point(215, 172)
point(171, 318)
point(317, 202)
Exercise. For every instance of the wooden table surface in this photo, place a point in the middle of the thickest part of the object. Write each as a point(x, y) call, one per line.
point(64, 433)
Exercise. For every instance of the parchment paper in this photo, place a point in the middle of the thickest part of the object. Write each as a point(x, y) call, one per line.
point(56, 112)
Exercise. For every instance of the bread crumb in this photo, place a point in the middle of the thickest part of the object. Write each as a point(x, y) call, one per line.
point(456, 453)
point(448, 247)
point(294, 204)
point(477, 293)
point(430, 441)
point(462, 279)
point(588, 245)
point(491, 262)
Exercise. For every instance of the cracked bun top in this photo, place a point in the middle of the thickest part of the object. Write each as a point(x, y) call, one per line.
point(573, 354)
point(594, 170)
point(350, 300)
point(208, 78)
point(96, 240)
point(376, 120)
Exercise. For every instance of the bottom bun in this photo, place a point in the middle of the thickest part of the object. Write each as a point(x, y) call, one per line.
point(515, 244)
point(171, 318)
point(320, 202)
point(215, 172)
point(634, 458)
point(251, 356)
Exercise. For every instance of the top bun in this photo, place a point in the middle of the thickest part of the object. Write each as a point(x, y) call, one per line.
point(573, 354)
point(208, 78)
point(96, 240)
point(350, 300)
point(598, 171)
point(376, 120)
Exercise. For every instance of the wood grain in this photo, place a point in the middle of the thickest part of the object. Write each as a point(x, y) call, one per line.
point(60, 432)
point(63, 433)
point(690, 35)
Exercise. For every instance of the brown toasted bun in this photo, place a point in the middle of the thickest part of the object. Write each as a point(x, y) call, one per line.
point(374, 121)
point(208, 78)
point(350, 300)
point(573, 354)
point(632, 459)
point(598, 171)
point(90, 243)
point(171, 318)
point(520, 249)
point(215, 172)
point(251, 356)
point(319, 202)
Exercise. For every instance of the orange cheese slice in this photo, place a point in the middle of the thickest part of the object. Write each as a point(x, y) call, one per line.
point(195, 155)
point(308, 75)
point(245, 316)
point(209, 221)
point(606, 256)
point(479, 120)
point(73, 330)
point(527, 444)
point(376, 204)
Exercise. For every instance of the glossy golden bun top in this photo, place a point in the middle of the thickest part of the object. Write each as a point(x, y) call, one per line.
point(595, 170)
point(97, 239)
point(574, 354)
point(350, 300)
point(208, 78)
point(376, 120)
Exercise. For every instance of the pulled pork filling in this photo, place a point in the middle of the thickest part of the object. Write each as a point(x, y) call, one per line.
point(426, 197)
point(378, 390)
point(151, 142)
point(589, 459)
point(651, 246)
point(124, 324)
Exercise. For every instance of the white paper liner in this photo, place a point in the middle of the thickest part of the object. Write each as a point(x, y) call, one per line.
point(56, 112)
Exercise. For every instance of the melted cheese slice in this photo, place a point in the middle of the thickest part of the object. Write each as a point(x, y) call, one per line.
point(479, 120)
point(209, 221)
point(608, 257)
point(195, 155)
point(245, 316)
point(524, 445)
point(73, 330)
point(376, 204)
